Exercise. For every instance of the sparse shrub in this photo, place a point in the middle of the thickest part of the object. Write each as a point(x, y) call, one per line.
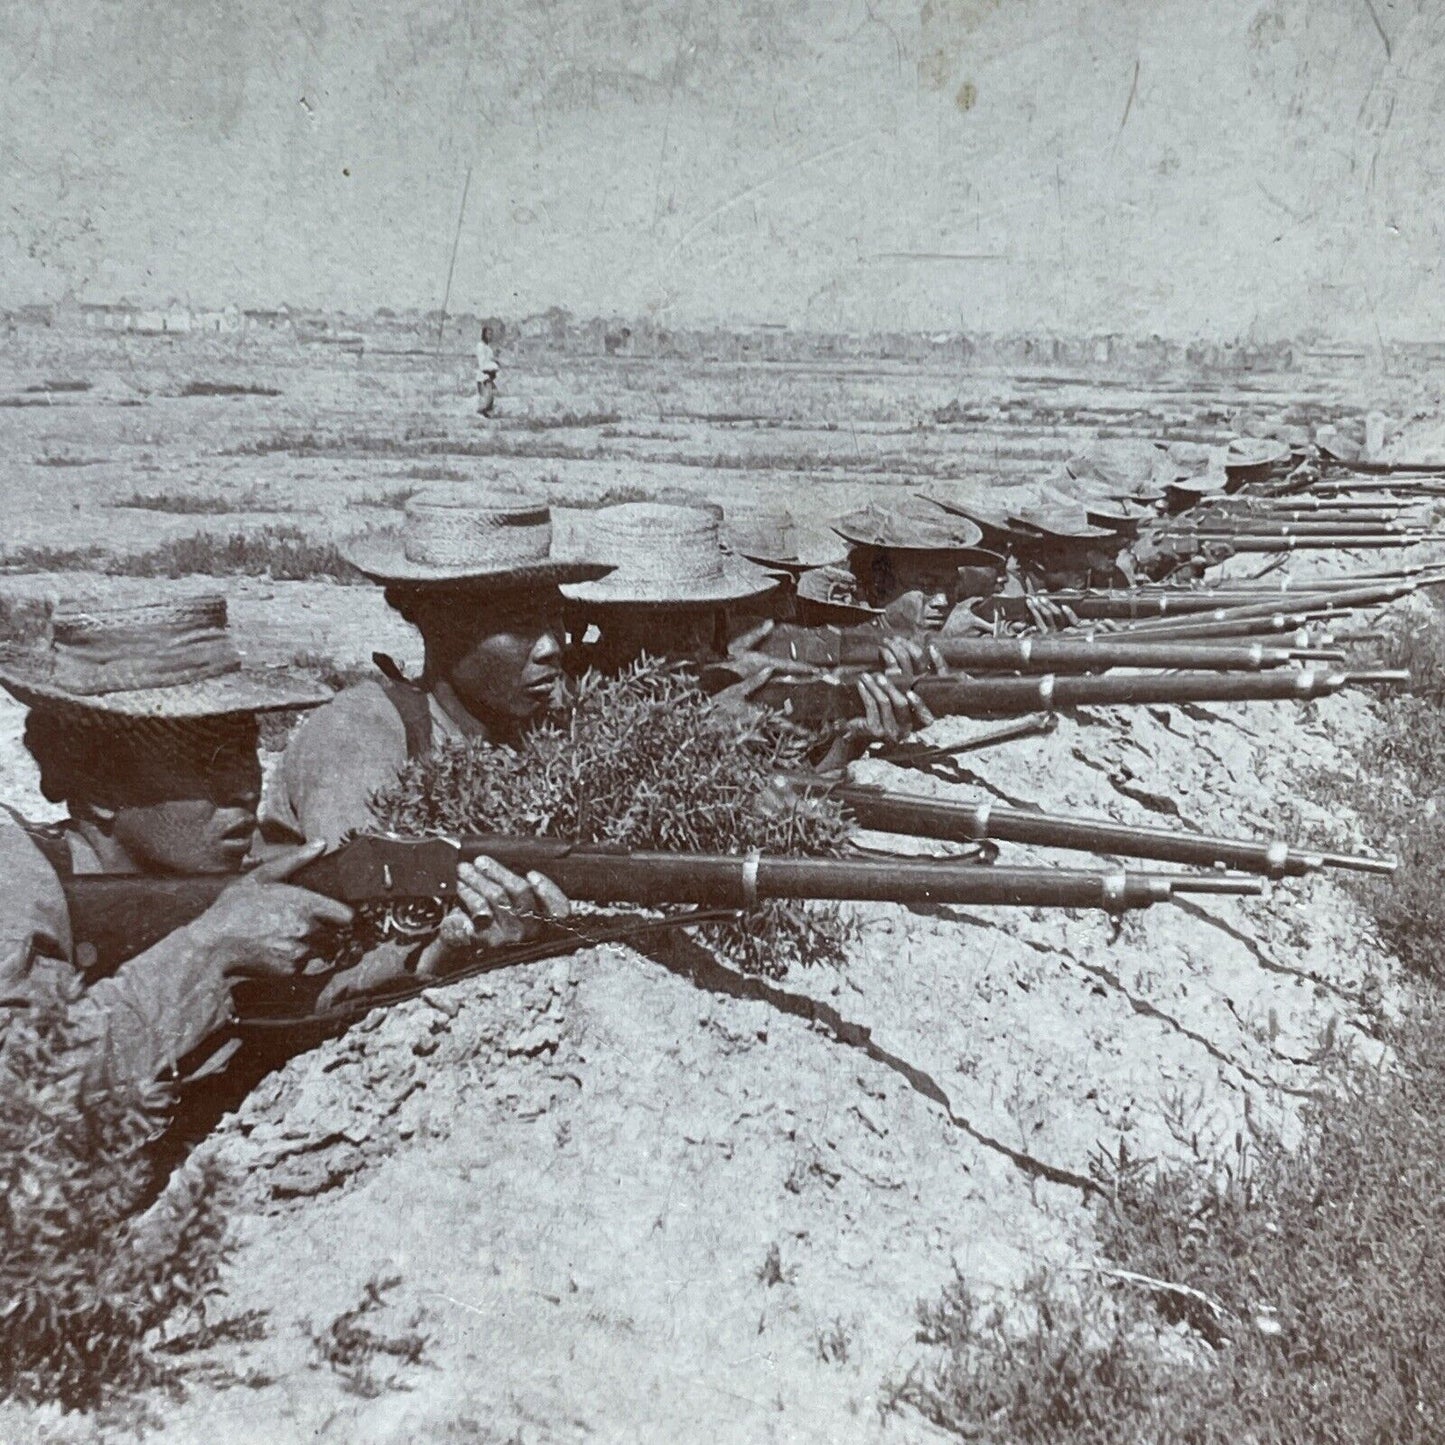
point(227, 388)
point(283, 553)
point(23, 620)
point(566, 419)
point(190, 504)
point(394, 500)
point(1409, 909)
point(770, 1272)
point(835, 1343)
point(1066, 1366)
point(643, 761)
point(1278, 1297)
point(354, 1349)
point(87, 1281)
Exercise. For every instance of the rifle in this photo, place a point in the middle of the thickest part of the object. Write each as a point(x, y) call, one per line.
point(1389, 469)
point(1230, 526)
point(955, 822)
point(402, 887)
point(1341, 542)
point(1180, 602)
point(833, 697)
point(1303, 503)
point(1063, 652)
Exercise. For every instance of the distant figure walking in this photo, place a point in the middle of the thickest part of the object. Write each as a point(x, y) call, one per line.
point(487, 369)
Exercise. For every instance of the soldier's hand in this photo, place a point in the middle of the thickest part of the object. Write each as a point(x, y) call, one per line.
point(1049, 616)
point(911, 657)
point(496, 908)
point(890, 713)
point(262, 926)
point(740, 698)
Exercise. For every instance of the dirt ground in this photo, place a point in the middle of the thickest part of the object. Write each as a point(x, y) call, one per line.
point(623, 1205)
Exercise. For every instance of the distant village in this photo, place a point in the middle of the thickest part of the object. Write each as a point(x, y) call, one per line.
point(557, 330)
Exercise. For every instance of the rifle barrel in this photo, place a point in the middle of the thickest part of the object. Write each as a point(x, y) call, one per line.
point(957, 822)
point(1341, 543)
point(815, 700)
point(1071, 653)
point(610, 875)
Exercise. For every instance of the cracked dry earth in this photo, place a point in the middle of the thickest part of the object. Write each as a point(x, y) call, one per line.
point(641, 1198)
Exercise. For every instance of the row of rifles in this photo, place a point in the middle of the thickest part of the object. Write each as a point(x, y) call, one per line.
point(1267, 638)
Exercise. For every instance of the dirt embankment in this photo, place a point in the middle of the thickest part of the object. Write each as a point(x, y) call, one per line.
point(626, 1204)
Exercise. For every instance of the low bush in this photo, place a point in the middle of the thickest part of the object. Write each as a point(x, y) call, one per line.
point(1282, 1296)
point(643, 761)
point(227, 388)
point(283, 553)
point(1065, 1365)
point(192, 504)
point(88, 1281)
point(23, 620)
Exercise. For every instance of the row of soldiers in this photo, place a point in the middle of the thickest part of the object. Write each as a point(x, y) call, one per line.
point(143, 721)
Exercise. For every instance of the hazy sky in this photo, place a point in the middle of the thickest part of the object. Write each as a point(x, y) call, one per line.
point(1186, 167)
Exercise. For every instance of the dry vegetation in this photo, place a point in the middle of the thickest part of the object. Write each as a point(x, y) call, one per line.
point(283, 553)
point(89, 1281)
point(643, 761)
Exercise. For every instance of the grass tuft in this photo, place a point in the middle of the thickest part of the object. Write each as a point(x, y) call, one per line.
point(643, 761)
point(227, 388)
point(193, 504)
point(283, 553)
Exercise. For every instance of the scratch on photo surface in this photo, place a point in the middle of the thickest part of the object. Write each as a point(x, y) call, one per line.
point(748, 192)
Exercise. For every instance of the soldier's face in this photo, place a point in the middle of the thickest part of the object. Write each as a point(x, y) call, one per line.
point(189, 806)
point(508, 662)
point(916, 589)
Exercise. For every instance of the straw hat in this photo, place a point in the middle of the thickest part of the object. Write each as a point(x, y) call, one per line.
point(895, 530)
point(462, 536)
point(1057, 520)
point(164, 660)
point(835, 587)
point(1249, 453)
point(665, 554)
point(994, 528)
point(769, 537)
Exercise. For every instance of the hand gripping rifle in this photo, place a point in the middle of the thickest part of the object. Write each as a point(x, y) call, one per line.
point(957, 822)
point(402, 887)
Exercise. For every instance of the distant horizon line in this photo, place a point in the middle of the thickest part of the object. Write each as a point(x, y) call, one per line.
point(23, 310)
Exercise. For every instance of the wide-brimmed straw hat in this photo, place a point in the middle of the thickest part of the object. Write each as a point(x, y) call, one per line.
point(468, 536)
point(895, 530)
point(1251, 453)
point(161, 660)
point(1058, 521)
point(663, 555)
point(835, 587)
point(770, 537)
point(1206, 484)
